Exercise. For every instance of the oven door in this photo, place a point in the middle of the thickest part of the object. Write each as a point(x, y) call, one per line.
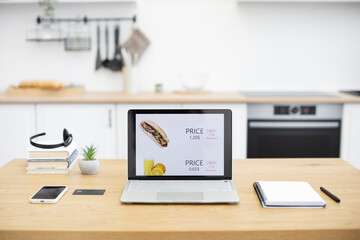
point(293, 139)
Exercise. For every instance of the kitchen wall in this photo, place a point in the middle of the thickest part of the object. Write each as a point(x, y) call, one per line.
point(242, 46)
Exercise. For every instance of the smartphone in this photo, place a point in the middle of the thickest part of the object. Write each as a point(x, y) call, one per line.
point(48, 194)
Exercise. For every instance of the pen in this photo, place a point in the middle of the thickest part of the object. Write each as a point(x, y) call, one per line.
point(332, 196)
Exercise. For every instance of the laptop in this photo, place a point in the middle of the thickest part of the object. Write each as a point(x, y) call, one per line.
point(179, 156)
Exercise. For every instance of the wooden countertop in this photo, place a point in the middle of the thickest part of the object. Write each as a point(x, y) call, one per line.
point(104, 217)
point(169, 97)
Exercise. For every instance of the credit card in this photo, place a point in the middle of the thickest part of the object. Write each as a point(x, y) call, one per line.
point(89, 192)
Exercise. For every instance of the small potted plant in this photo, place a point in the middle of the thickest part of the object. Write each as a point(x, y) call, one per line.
point(89, 164)
point(49, 7)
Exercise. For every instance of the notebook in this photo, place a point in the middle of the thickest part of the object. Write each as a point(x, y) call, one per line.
point(290, 194)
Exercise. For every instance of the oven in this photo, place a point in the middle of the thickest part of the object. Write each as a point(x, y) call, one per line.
point(293, 130)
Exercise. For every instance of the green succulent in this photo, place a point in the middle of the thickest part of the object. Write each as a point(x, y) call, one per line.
point(89, 153)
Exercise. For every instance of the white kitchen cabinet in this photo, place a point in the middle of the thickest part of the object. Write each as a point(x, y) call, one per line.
point(88, 123)
point(350, 134)
point(17, 124)
point(239, 125)
point(122, 110)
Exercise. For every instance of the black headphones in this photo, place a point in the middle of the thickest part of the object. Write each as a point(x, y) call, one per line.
point(66, 137)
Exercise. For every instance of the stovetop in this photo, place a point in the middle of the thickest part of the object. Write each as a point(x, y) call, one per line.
point(352, 92)
point(287, 94)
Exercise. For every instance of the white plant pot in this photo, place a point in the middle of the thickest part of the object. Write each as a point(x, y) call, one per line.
point(89, 167)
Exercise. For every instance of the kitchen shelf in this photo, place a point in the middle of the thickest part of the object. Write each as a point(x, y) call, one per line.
point(298, 1)
point(69, 1)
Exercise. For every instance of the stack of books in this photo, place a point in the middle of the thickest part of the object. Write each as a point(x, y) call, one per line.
point(52, 161)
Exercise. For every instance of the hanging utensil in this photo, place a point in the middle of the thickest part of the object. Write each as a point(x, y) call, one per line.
point(98, 58)
point(105, 63)
point(117, 63)
point(126, 57)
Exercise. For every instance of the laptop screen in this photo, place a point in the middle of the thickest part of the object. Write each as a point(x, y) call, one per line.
point(178, 143)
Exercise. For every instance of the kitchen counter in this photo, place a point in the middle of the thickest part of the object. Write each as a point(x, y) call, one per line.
point(170, 97)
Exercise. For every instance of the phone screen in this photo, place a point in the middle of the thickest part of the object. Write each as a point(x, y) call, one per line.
point(49, 192)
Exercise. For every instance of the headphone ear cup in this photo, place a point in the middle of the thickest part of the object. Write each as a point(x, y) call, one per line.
point(65, 134)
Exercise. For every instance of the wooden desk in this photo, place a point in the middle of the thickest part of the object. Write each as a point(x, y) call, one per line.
point(104, 217)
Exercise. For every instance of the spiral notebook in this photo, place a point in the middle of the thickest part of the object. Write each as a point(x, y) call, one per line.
point(287, 194)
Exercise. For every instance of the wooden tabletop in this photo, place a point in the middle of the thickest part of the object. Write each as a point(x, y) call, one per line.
point(104, 217)
point(173, 97)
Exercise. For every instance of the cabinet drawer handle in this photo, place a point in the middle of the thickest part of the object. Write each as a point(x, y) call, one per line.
point(110, 121)
point(295, 125)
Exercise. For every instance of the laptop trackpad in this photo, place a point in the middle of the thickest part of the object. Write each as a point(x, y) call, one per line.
point(180, 196)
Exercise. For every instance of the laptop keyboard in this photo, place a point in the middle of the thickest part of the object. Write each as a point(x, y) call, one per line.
point(179, 186)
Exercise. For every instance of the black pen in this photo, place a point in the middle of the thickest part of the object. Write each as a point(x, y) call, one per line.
point(332, 196)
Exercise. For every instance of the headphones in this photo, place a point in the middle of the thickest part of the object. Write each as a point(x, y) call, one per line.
point(67, 137)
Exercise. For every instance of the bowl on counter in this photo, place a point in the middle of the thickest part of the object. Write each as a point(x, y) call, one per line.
point(193, 82)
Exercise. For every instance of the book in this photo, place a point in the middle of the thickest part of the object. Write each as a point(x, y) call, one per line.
point(287, 194)
point(60, 152)
point(56, 163)
point(52, 171)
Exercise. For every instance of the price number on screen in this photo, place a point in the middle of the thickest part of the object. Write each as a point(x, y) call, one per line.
point(195, 137)
point(194, 169)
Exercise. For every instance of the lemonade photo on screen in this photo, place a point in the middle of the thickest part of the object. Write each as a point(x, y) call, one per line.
point(153, 170)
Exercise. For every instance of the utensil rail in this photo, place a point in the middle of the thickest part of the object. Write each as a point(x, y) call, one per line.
point(85, 19)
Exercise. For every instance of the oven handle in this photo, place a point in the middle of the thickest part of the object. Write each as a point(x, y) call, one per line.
point(296, 125)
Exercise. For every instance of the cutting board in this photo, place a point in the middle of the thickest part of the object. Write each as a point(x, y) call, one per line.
point(38, 92)
point(191, 92)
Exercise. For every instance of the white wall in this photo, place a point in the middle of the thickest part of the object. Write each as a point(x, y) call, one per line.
point(242, 46)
